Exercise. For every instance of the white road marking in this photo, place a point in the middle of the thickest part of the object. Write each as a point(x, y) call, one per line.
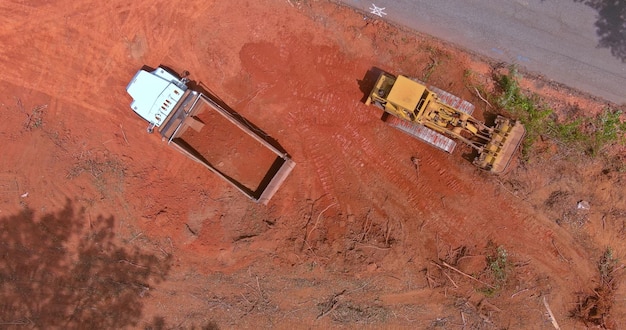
point(377, 10)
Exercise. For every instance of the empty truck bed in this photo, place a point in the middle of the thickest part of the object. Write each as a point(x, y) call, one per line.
point(228, 145)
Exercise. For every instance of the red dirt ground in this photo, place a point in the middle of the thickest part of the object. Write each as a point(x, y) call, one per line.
point(104, 226)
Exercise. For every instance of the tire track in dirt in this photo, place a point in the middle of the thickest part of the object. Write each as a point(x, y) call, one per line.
point(396, 179)
point(76, 50)
point(494, 218)
point(329, 133)
point(414, 180)
point(328, 109)
point(496, 221)
point(391, 165)
point(337, 178)
point(317, 155)
point(426, 163)
point(83, 40)
point(425, 187)
point(445, 169)
point(15, 17)
point(340, 177)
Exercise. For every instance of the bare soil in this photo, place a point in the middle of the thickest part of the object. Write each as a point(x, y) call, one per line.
point(104, 226)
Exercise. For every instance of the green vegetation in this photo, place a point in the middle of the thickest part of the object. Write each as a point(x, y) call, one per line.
point(467, 76)
point(499, 268)
point(526, 108)
point(608, 129)
point(437, 57)
point(587, 135)
point(430, 69)
point(498, 264)
point(607, 264)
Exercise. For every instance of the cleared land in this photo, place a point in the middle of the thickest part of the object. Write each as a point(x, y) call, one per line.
point(105, 226)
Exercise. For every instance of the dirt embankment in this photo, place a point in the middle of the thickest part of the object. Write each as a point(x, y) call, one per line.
point(371, 227)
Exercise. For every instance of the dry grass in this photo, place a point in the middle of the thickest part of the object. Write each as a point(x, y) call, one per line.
point(595, 309)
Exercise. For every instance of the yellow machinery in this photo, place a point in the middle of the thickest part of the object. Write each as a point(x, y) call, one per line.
point(439, 118)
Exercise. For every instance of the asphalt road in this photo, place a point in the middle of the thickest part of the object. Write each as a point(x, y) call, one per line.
point(566, 41)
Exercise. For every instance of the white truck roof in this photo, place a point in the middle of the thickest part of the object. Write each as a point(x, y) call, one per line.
point(155, 94)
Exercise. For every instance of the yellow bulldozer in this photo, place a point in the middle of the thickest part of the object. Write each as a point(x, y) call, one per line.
point(439, 118)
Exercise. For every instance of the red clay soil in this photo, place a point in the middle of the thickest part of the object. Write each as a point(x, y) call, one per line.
point(104, 226)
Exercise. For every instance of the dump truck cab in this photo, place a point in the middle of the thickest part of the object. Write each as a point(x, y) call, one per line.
point(155, 94)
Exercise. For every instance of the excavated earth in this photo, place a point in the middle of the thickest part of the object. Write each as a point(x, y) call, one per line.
point(105, 226)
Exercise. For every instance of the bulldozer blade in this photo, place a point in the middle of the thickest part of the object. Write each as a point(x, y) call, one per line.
point(497, 154)
point(421, 132)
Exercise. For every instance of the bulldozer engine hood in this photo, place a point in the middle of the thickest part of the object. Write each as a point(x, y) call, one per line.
point(406, 93)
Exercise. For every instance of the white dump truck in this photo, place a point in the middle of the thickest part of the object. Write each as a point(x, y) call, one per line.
point(203, 128)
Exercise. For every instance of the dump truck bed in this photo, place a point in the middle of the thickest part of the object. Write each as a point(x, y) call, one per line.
point(227, 145)
point(210, 133)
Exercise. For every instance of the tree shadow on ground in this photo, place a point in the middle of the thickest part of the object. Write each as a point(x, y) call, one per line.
point(611, 25)
point(64, 270)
